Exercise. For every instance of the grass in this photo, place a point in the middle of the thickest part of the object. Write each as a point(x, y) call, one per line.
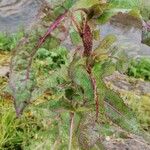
point(37, 128)
point(11, 133)
point(140, 105)
point(140, 68)
point(8, 42)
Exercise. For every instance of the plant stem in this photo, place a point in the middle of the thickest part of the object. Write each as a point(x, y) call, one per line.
point(51, 28)
point(95, 97)
point(93, 81)
point(71, 130)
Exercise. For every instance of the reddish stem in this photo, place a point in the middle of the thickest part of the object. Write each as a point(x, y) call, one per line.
point(52, 27)
point(95, 97)
point(93, 81)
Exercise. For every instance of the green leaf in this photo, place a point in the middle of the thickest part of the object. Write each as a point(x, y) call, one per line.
point(135, 13)
point(22, 77)
point(108, 68)
point(126, 3)
point(127, 122)
point(105, 44)
point(96, 35)
point(86, 3)
point(80, 77)
point(122, 62)
point(75, 38)
point(105, 17)
point(116, 109)
point(69, 3)
point(42, 53)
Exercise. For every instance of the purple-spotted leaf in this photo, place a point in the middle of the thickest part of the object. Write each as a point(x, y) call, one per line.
point(22, 79)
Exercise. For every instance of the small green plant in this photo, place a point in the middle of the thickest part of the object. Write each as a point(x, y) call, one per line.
point(140, 68)
point(47, 60)
point(140, 105)
point(8, 42)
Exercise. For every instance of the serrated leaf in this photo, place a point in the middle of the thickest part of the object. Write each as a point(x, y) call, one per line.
point(135, 13)
point(105, 17)
point(122, 63)
point(97, 10)
point(80, 77)
point(82, 109)
point(69, 3)
point(105, 43)
point(108, 68)
point(101, 57)
point(128, 123)
point(42, 53)
point(114, 105)
point(75, 38)
point(96, 35)
point(86, 3)
point(126, 3)
point(22, 77)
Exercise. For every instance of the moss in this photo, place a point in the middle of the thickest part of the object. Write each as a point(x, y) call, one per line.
point(140, 104)
point(140, 68)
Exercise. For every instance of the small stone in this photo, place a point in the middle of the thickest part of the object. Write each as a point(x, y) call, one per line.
point(4, 71)
point(107, 138)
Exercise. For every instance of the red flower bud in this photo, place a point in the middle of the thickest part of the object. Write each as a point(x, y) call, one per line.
point(87, 39)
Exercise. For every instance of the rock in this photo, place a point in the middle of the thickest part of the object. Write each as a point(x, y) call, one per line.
point(129, 35)
point(4, 71)
point(121, 82)
point(146, 33)
point(15, 14)
point(133, 143)
point(144, 87)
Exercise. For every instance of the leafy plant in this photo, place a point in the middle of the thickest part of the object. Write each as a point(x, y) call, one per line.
point(140, 106)
point(46, 60)
point(126, 3)
point(8, 42)
point(140, 69)
point(78, 87)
